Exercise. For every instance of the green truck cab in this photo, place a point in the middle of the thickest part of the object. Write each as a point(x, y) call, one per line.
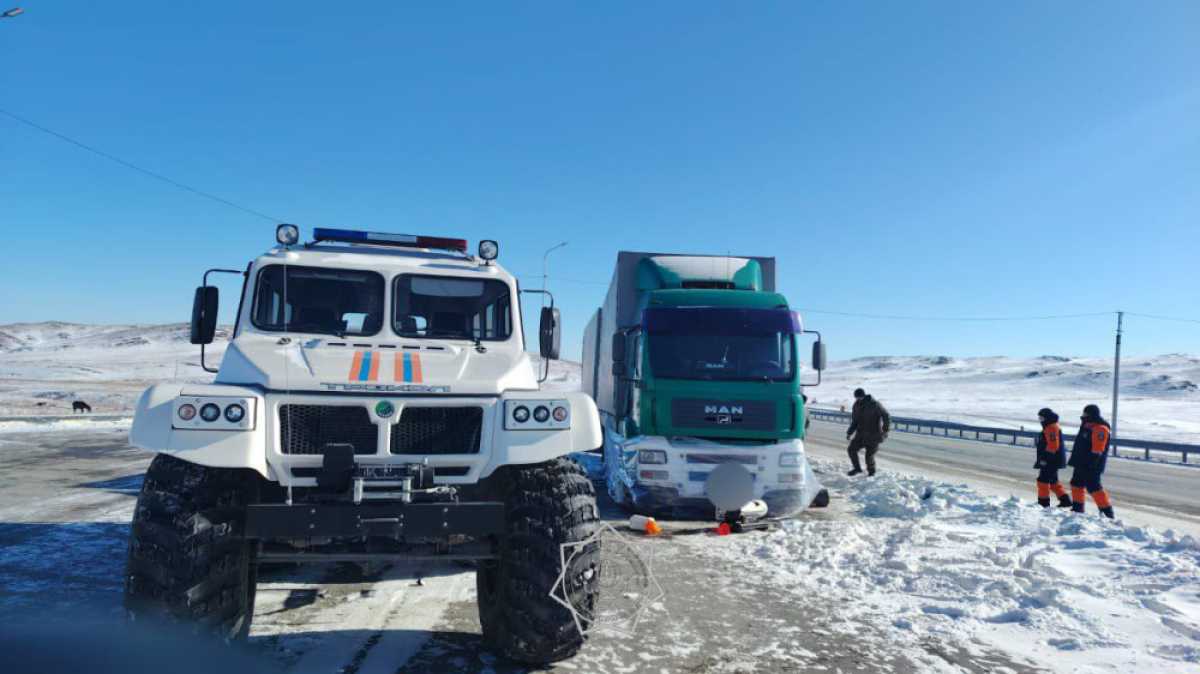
point(694, 363)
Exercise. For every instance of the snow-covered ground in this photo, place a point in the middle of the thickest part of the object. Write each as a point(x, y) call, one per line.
point(927, 560)
point(1160, 399)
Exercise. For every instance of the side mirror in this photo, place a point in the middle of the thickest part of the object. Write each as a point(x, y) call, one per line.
point(550, 333)
point(204, 315)
point(818, 355)
point(622, 397)
point(618, 349)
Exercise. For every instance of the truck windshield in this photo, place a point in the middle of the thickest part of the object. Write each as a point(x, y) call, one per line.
point(721, 344)
point(318, 300)
point(452, 308)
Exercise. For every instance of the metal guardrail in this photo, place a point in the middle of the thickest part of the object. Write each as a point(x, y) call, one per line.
point(1006, 436)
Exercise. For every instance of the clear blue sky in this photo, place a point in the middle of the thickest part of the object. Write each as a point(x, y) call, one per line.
point(947, 159)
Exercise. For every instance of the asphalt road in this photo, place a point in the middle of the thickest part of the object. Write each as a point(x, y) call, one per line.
point(66, 500)
point(1156, 494)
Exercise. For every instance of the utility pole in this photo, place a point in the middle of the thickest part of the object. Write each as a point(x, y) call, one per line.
point(1116, 378)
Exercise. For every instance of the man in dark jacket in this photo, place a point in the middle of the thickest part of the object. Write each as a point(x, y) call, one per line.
point(1051, 456)
point(869, 426)
point(1088, 457)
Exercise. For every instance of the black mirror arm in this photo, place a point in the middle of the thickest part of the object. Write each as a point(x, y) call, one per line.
point(204, 282)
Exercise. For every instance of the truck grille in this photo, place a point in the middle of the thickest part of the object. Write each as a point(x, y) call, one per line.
point(306, 429)
point(437, 430)
point(723, 415)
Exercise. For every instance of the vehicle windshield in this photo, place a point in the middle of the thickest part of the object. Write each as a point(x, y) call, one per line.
point(452, 308)
point(318, 300)
point(721, 344)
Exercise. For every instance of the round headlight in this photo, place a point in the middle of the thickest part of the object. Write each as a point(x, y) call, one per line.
point(560, 414)
point(541, 414)
point(187, 412)
point(210, 412)
point(234, 413)
point(488, 249)
point(287, 234)
point(521, 414)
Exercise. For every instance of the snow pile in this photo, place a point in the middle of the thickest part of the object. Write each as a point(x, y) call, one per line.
point(80, 423)
point(928, 560)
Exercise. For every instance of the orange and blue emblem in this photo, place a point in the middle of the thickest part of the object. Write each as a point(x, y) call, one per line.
point(408, 367)
point(365, 366)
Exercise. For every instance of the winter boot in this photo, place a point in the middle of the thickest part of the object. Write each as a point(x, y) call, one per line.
point(856, 471)
point(870, 472)
point(1044, 501)
point(1108, 512)
point(1064, 501)
point(1077, 507)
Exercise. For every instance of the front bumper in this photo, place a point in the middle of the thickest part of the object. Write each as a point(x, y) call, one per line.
point(680, 483)
point(779, 502)
point(411, 521)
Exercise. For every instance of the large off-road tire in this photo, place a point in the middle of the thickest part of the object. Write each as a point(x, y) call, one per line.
point(546, 505)
point(188, 562)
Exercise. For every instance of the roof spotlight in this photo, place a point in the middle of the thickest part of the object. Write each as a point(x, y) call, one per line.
point(287, 235)
point(488, 250)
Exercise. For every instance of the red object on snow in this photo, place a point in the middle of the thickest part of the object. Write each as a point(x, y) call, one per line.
point(723, 529)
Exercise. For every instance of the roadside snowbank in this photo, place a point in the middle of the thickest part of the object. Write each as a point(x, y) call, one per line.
point(931, 561)
point(28, 425)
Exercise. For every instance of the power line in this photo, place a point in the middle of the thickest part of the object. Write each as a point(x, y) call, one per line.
point(893, 317)
point(139, 169)
point(1163, 318)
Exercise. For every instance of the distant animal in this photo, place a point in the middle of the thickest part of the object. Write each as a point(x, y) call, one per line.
point(80, 406)
point(41, 404)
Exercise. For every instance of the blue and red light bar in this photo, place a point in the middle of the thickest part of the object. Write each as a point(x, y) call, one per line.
point(384, 239)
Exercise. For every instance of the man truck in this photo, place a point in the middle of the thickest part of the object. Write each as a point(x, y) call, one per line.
point(693, 363)
point(376, 403)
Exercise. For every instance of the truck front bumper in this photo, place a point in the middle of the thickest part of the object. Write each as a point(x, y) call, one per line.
point(680, 483)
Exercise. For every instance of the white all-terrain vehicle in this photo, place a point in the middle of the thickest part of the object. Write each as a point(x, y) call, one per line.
point(376, 403)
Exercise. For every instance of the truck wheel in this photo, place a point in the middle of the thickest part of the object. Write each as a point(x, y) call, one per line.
point(188, 562)
point(546, 505)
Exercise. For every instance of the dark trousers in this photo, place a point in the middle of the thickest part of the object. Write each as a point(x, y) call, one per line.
point(1048, 475)
point(869, 444)
point(1086, 478)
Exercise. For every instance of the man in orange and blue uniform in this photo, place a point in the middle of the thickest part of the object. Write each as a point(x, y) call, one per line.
point(1089, 456)
point(1051, 456)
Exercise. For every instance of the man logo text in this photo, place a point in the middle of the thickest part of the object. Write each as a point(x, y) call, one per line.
point(723, 409)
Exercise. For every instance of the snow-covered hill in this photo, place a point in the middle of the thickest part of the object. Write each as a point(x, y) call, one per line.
point(45, 366)
point(1160, 399)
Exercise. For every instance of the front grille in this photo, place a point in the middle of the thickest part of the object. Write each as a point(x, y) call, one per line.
point(437, 430)
point(306, 429)
point(718, 459)
point(723, 415)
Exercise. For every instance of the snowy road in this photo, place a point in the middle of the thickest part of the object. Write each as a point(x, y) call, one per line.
point(66, 499)
point(1143, 493)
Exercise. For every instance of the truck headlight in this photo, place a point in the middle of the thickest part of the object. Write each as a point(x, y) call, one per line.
point(213, 413)
point(793, 459)
point(652, 456)
point(537, 415)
